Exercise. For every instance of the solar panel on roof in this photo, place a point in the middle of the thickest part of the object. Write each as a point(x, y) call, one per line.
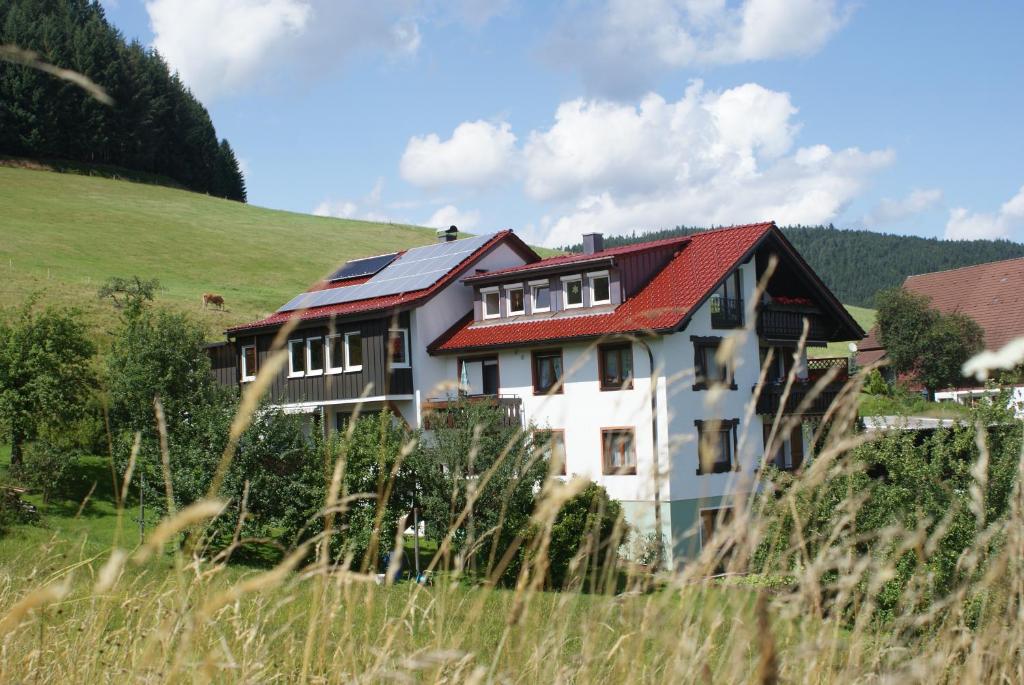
point(418, 268)
point(362, 267)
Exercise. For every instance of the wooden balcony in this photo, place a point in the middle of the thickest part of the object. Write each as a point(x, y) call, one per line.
point(445, 410)
point(774, 323)
point(771, 398)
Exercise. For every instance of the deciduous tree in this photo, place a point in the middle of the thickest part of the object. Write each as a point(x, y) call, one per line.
point(45, 373)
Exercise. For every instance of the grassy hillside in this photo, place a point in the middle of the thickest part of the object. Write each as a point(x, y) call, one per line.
point(864, 316)
point(65, 234)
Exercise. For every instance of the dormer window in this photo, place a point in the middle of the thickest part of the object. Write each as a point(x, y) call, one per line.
point(572, 291)
point(540, 296)
point(600, 288)
point(516, 300)
point(491, 299)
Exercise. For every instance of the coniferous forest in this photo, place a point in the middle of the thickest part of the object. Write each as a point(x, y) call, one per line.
point(856, 264)
point(155, 126)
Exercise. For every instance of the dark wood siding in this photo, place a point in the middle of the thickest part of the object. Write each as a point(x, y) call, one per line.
point(224, 362)
point(340, 386)
point(637, 269)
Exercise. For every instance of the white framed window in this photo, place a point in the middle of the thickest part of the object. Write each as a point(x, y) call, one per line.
point(314, 356)
point(600, 287)
point(490, 299)
point(335, 353)
point(540, 296)
point(398, 347)
point(248, 363)
point(572, 291)
point(296, 358)
point(353, 351)
point(515, 295)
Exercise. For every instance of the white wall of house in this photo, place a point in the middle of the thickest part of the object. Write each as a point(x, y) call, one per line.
point(429, 321)
point(582, 409)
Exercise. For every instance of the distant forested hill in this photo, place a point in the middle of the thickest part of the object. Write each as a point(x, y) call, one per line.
point(155, 126)
point(857, 264)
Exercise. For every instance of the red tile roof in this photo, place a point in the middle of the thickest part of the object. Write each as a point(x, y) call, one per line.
point(992, 294)
point(578, 257)
point(675, 292)
point(387, 302)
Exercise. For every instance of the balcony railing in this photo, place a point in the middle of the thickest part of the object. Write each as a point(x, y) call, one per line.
point(444, 411)
point(770, 399)
point(787, 324)
point(726, 312)
point(819, 366)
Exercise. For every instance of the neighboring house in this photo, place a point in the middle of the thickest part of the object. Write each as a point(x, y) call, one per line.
point(992, 294)
point(610, 354)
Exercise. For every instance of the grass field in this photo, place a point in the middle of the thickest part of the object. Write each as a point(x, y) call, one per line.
point(64, 234)
point(864, 316)
point(148, 624)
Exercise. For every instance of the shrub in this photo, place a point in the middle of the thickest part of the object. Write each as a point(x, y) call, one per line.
point(477, 464)
point(373, 473)
point(46, 467)
point(585, 537)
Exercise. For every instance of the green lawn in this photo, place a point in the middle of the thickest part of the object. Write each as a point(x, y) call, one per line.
point(864, 316)
point(64, 234)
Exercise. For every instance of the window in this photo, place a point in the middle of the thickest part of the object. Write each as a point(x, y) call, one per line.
point(619, 450)
point(491, 303)
point(479, 376)
point(600, 288)
point(727, 303)
point(353, 351)
point(547, 371)
point(248, 363)
point(572, 291)
point(314, 356)
point(711, 520)
point(398, 345)
point(708, 370)
point(335, 353)
point(716, 446)
point(341, 421)
point(788, 451)
point(551, 444)
point(516, 300)
point(540, 294)
point(615, 366)
point(296, 358)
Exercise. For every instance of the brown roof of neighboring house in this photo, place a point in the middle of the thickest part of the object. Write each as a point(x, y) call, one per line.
point(992, 294)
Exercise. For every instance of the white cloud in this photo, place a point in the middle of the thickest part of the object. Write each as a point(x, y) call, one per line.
point(890, 211)
point(1006, 223)
point(221, 46)
point(620, 47)
point(477, 154)
point(597, 146)
point(450, 215)
point(712, 157)
point(368, 208)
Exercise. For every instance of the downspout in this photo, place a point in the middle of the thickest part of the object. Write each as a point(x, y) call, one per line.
point(657, 455)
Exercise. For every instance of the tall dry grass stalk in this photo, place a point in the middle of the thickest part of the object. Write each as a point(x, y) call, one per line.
point(137, 618)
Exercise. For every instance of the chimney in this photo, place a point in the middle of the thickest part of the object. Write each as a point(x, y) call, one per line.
point(593, 242)
point(446, 236)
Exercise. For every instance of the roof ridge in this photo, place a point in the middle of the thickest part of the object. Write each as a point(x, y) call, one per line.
point(961, 268)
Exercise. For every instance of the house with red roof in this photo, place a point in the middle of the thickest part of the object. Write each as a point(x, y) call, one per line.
point(360, 337)
point(636, 366)
point(992, 294)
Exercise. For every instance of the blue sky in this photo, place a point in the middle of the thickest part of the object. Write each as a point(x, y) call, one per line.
point(611, 115)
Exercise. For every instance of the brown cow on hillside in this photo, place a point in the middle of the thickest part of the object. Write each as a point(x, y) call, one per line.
point(214, 299)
